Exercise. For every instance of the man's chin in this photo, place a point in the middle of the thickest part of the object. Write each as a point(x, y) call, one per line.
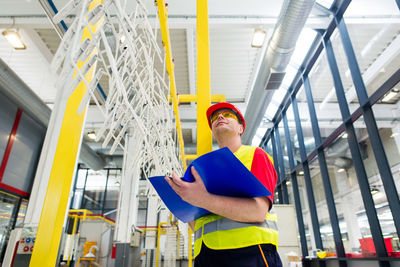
point(221, 130)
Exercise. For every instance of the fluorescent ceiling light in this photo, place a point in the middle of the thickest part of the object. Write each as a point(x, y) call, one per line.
point(344, 135)
point(258, 38)
point(92, 135)
point(14, 39)
point(341, 170)
point(392, 94)
point(122, 39)
point(301, 173)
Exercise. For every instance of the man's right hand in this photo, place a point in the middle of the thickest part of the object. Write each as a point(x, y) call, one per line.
point(194, 193)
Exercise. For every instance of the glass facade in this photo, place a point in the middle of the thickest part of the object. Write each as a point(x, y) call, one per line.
point(12, 214)
point(304, 114)
point(347, 161)
point(97, 191)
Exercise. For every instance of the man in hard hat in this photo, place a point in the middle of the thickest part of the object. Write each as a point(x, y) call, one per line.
point(240, 231)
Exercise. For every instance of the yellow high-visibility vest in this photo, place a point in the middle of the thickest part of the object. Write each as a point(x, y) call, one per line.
point(218, 232)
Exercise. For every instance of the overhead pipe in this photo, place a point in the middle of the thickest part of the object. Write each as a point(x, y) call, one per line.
point(14, 88)
point(291, 21)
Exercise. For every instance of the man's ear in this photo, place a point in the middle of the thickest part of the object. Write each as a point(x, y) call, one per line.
point(241, 129)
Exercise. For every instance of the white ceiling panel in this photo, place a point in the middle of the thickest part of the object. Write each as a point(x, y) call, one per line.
point(373, 26)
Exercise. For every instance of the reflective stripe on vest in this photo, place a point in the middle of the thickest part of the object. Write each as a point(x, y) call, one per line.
point(217, 232)
point(226, 224)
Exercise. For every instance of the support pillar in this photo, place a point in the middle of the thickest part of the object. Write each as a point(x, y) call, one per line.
point(204, 139)
point(60, 163)
point(128, 202)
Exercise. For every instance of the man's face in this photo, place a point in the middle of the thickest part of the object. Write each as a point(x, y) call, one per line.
point(224, 120)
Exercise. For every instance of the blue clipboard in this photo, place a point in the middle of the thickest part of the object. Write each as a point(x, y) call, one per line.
point(222, 174)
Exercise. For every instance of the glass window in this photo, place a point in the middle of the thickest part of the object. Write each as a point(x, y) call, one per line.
point(112, 196)
point(303, 44)
point(375, 44)
point(309, 141)
point(389, 130)
point(21, 212)
point(345, 75)
point(321, 205)
point(306, 213)
point(8, 203)
point(289, 186)
point(353, 222)
point(80, 183)
point(94, 190)
point(79, 186)
point(375, 181)
point(284, 149)
point(260, 132)
point(268, 148)
point(276, 100)
point(276, 194)
point(293, 136)
point(142, 212)
point(324, 96)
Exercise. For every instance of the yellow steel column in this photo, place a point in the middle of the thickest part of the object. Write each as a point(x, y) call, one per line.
point(190, 248)
point(163, 15)
point(55, 204)
point(204, 139)
point(158, 245)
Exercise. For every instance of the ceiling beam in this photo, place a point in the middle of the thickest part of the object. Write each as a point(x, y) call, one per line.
point(40, 45)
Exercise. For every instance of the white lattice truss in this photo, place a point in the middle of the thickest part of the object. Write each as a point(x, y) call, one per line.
point(123, 50)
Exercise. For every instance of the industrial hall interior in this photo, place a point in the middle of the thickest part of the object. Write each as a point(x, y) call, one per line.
point(102, 100)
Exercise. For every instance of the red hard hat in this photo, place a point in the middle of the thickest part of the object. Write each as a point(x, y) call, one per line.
point(224, 105)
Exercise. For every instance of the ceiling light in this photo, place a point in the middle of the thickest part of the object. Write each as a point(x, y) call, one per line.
point(288, 183)
point(301, 173)
point(394, 134)
point(258, 38)
point(341, 170)
point(344, 135)
point(389, 96)
point(91, 135)
point(14, 39)
point(122, 39)
point(374, 190)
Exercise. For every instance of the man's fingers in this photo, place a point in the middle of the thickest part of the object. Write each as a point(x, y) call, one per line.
point(171, 183)
point(176, 179)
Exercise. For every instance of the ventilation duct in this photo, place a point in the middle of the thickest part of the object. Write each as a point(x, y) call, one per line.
point(274, 81)
point(292, 18)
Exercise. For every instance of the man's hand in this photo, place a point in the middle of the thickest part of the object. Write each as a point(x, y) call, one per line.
point(194, 193)
point(237, 209)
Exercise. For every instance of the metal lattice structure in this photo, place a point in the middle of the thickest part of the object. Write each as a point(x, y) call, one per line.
point(125, 51)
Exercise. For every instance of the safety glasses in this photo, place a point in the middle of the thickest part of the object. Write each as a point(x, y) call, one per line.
point(225, 113)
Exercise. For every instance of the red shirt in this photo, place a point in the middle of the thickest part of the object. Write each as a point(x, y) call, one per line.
point(260, 164)
point(264, 170)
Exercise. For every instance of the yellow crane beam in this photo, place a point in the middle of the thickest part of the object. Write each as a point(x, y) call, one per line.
point(193, 98)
